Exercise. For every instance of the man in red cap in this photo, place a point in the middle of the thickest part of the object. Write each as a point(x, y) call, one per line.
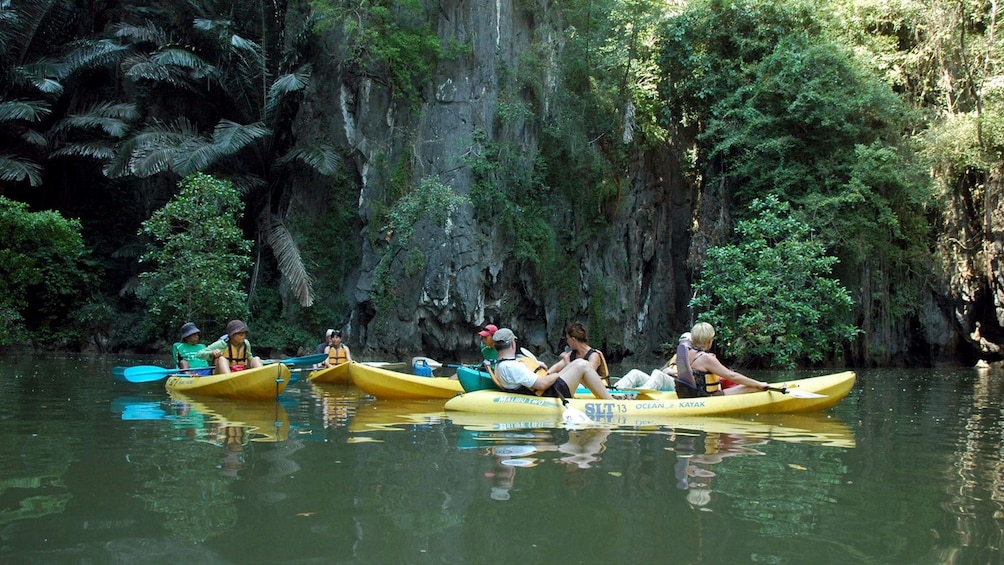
point(488, 343)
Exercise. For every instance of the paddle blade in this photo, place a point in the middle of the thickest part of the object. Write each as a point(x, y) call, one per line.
point(145, 373)
point(428, 361)
point(574, 416)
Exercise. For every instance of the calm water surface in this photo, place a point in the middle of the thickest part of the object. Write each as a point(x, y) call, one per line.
point(908, 469)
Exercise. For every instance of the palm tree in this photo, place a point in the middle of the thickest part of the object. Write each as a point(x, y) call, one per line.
point(220, 102)
point(36, 72)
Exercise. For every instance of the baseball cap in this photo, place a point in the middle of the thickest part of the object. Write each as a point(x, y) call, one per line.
point(490, 329)
point(504, 336)
point(333, 333)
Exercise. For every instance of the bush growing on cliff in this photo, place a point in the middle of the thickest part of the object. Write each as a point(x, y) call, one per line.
point(769, 296)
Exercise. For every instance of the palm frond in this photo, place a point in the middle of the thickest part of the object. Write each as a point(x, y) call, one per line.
point(33, 137)
point(242, 44)
point(89, 54)
point(147, 33)
point(17, 169)
point(26, 110)
point(323, 158)
point(287, 84)
point(41, 75)
point(181, 58)
point(287, 255)
point(93, 150)
point(198, 154)
point(156, 149)
point(111, 118)
point(141, 67)
point(232, 137)
point(228, 139)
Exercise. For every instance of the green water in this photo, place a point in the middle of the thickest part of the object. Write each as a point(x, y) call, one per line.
point(907, 469)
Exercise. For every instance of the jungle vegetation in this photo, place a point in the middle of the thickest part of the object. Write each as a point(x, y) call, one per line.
point(856, 116)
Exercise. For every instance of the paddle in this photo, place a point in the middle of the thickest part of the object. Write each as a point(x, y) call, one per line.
point(150, 373)
point(147, 373)
point(305, 360)
point(433, 363)
point(796, 393)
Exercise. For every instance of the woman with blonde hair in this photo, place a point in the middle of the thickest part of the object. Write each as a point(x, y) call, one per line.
point(702, 378)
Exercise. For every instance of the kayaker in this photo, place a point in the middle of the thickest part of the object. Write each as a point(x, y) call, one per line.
point(338, 352)
point(577, 340)
point(514, 376)
point(186, 351)
point(323, 346)
point(704, 369)
point(662, 378)
point(488, 351)
point(232, 352)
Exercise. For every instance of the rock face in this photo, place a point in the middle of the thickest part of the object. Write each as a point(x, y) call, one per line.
point(634, 281)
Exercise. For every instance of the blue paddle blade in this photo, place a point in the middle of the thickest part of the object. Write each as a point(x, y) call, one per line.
point(146, 373)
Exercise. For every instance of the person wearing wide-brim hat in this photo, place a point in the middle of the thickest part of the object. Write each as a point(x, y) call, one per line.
point(233, 351)
point(186, 351)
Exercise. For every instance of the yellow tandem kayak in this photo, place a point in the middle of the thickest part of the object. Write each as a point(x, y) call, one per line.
point(263, 383)
point(391, 385)
point(335, 374)
point(805, 395)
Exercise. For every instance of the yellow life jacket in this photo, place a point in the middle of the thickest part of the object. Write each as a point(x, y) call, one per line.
point(337, 355)
point(237, 355)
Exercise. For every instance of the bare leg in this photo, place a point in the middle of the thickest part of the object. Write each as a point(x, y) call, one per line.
point(256, 362)
point(581, 371)
point(222, 365)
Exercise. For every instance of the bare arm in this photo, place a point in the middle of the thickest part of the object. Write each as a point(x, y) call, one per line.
point(710, 364)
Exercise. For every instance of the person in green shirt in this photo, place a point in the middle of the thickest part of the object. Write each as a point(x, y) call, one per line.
point(186, 351)
point(488, 351)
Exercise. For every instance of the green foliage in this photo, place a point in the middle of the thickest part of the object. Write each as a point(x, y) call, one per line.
point(198, 258)
point(431, 201)
point(509, 193)
point(387, 39)
point(769, 296)
point(47, 276)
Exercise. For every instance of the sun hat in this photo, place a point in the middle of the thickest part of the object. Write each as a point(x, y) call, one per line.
point(333, 333)
point(236, 327)
point(490, 329)
point(189, 329)
point(504, 337)
point(686, 337)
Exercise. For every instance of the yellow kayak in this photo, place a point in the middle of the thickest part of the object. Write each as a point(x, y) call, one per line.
point(385, 384)
point(803, 395)
point(263, 383)
point(335, 374)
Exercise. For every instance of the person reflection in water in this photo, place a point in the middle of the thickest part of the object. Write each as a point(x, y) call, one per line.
point(507, 458)
point(695, 457)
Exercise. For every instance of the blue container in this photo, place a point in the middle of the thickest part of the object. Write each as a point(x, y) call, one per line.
point(422, 369)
